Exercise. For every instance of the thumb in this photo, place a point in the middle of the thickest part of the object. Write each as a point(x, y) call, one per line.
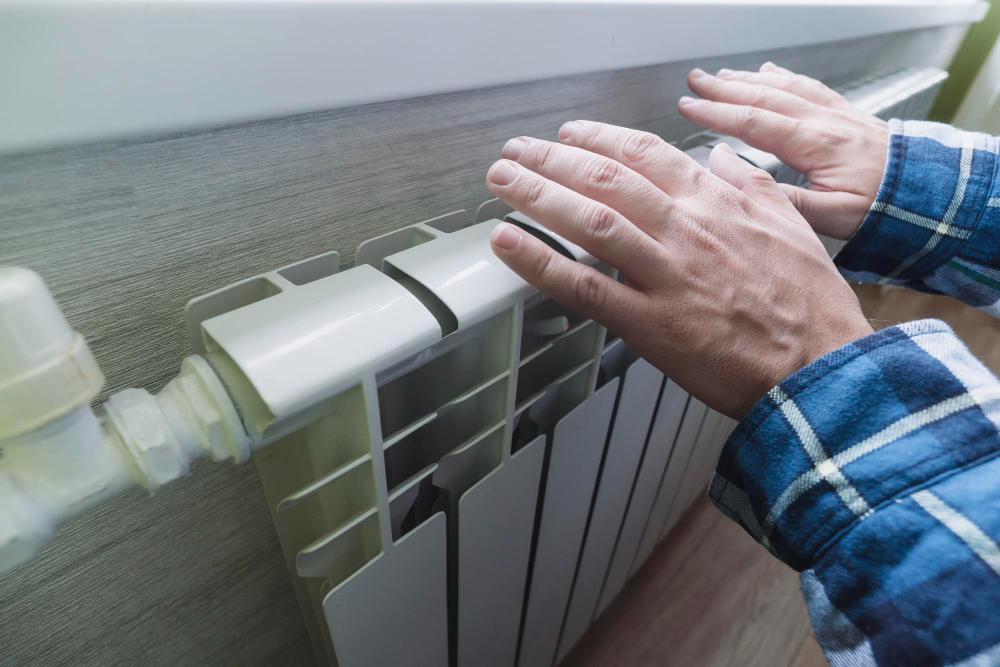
point(834, 214)
point(751, 181)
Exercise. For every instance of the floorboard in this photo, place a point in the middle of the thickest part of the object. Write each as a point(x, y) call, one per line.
point(708, 596)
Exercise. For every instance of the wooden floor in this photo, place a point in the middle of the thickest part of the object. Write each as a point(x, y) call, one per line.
point(885, 305)
point(709, 595)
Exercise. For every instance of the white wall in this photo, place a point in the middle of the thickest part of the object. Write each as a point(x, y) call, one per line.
point(980, 110)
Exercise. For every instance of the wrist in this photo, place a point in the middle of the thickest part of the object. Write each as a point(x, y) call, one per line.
point(877, 145)
point(840, 400)
point(870, 173)
point(812, 346)
point(915, 226)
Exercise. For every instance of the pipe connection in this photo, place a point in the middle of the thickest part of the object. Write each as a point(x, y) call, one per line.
point(57, 458)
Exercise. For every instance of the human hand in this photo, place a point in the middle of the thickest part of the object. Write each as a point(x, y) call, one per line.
point(728, 290)
point(809, 127)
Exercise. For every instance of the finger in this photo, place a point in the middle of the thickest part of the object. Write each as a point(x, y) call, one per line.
point(753, 94)
point(647, 154)
point(752, 181)
point(576, 286)
point(596, 177)
point(796, 84)
point(760, 128)
point(771, 67)
point(834, 214)
point(596, 227)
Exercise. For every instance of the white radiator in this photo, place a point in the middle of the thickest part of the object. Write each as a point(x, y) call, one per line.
point(462, 471)
point(437, 432)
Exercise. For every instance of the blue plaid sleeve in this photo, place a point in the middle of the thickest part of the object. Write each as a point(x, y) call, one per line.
point(874, 471)
point(935, 223)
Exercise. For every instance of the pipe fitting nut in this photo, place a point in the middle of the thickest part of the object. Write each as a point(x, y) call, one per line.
point(199, 389)
point(143, 429)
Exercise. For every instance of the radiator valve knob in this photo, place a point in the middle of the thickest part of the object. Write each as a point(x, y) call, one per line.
point(46, 368)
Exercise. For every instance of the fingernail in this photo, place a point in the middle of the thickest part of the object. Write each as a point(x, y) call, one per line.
point(728, 149)
point(502, 173)
point(513, 148)
point(767, 65)
point(724, 72)
point(569, 130)
point(698, 73)
point(687, 101)
point(506, 237)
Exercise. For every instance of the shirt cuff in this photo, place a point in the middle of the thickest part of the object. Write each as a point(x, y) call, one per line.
point(852, 432)
point(934, 190)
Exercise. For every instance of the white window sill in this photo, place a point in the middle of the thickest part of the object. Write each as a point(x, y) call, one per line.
point(79, 71)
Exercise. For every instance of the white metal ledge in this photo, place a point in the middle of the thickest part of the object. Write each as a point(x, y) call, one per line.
point(74, 71)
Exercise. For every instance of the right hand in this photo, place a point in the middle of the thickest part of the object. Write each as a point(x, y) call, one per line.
point(727, 290)
point(809, 127)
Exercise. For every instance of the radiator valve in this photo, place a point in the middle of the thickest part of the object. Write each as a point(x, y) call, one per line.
point(57, 458)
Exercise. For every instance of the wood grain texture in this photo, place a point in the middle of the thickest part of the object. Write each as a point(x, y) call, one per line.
point(126, 233)
point(709, 596)
point(888, 305)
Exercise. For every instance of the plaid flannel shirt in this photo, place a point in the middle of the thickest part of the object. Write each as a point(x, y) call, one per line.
point(874, 470)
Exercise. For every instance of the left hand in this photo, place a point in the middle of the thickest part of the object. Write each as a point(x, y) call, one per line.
point(728, 290)
point(811, 128)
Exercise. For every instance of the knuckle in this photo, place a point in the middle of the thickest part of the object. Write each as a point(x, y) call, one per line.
point(749, 117)
point(592, 133)
point(541, 265)
point(534, 192)
point(800, 203)
point(756, 181)
point(829, 100)
point(804, 80)
point(702, 243)
point(759, 95)
point(542, 155)
point(759, 177)
point(589, 292)
point(828, 136)
point(800, 133)
point(601, 174)
point(845, 115)
point(819, 89)
point(702, 180)
point(640, 147)
point(599, 221)
point(717, 86)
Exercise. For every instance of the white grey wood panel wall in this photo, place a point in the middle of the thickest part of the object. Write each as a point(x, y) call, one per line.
point(126, 233)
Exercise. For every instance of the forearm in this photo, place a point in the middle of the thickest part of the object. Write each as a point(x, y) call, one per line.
point(935, 222)
point(873, 470)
